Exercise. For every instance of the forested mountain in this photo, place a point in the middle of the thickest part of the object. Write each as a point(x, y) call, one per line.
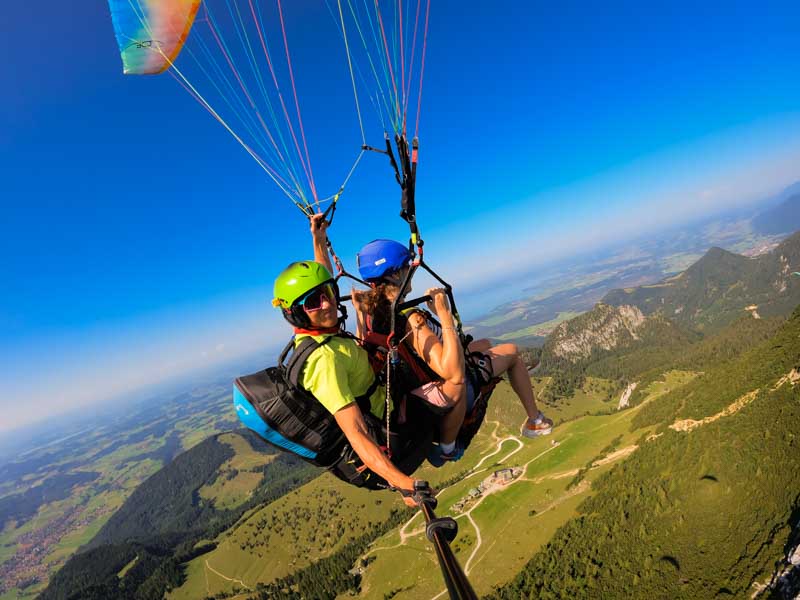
point(705, 505)
point(165, 503)
point(635, 331)
point(719, 287)
point(162, 523)
point(613, 342)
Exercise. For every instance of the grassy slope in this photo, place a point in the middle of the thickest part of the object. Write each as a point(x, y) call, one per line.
point(506, 545)
point(254, 551)
point(238, 477)
point(511, 533)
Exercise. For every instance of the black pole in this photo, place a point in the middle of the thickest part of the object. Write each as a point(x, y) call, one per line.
point(441, 531)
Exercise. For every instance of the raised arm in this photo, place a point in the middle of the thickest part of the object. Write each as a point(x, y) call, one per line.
point(319, 236)
point(446, 357)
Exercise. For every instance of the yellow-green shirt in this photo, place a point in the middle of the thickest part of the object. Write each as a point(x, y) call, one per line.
point(338, 372)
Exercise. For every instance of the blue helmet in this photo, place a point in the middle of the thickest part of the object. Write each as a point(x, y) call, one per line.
point(381, 258)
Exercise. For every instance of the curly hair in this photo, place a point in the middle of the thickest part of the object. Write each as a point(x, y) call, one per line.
point(378, 306)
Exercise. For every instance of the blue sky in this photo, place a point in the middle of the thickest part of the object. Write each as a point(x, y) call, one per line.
point(139, 239)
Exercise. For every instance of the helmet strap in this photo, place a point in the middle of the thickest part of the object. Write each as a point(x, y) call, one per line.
point(294, 318)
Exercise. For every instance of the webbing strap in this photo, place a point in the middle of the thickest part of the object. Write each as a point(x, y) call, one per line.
point(397, 175)
point(363, 400)
point(474, 360)
point(407, 204)
point(301, 353)
point(298, 360)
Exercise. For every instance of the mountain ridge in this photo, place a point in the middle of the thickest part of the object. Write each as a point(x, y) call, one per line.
point(720, 286)
point(782, 218)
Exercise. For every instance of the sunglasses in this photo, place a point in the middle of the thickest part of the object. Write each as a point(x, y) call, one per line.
point(312, 301)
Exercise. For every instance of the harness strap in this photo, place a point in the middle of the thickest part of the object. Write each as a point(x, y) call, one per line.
point(363, 400)
point(298, 360)
point(400, 179)
point(479, 362)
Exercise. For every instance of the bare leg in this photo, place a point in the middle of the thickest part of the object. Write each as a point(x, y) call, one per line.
point(481, 345)
point(506, 358)
point(456, 393)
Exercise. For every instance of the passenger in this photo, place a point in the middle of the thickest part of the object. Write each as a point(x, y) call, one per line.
point(384, 264)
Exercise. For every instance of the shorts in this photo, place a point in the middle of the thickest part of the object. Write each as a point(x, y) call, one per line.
point(479, 374)
point(431, 393)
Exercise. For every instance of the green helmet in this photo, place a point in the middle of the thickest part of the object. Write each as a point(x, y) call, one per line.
point(298, 279)
point(294, 283)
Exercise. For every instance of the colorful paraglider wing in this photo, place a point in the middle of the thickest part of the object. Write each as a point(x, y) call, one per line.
point(151, 33)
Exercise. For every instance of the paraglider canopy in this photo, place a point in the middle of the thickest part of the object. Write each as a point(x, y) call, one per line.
point(236, 59)
point(151, 33)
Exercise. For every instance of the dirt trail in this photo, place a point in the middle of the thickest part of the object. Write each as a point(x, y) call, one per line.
point(218, 574)
point(792, 378)
point(477, 469)
point(488, 492)
point(689, 424)
point(621, 453)
point(614, 456)
point(405, 534)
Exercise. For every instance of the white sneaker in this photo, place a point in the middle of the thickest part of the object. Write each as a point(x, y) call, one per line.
point(531, 429)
